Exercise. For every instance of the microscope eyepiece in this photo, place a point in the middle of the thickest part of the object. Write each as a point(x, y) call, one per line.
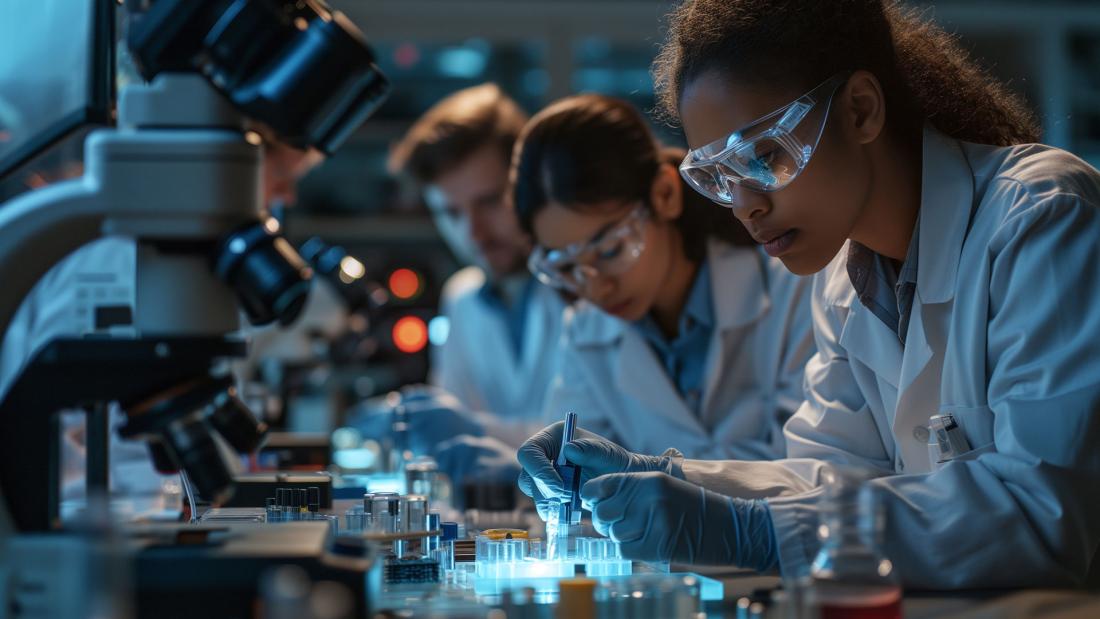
point(298, 67)
point(270, 278)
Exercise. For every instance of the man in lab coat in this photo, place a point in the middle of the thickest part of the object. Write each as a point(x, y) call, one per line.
point(498, 358)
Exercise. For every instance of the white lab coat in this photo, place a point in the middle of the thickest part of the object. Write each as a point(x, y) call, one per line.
point(611, 377)
point(1004, 334)
point(477, 363)
point(62, 304)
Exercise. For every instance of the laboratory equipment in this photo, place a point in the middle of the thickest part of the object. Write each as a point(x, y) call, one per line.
point(414, 519)
point(180, 177)
point(407, 532)
point(444, 552)
point(205, 571)
point(567, 513)
point(411, 570)
point(850, 576)
point(576, 599)
point(947, 438)
point(570, 512)
point(422, 476)
point(252, 489)
point(298, 504)
point(508, 558)
point(679, 596)
point(346, 274)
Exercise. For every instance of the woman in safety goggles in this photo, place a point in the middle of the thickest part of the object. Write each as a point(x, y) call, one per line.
point(687, 333)
point(954, 303)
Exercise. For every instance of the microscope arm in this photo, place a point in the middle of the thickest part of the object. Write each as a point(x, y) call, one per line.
point(37, 230)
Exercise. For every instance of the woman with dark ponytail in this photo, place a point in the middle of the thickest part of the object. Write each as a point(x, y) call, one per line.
point(955, 301)
point(685, 333)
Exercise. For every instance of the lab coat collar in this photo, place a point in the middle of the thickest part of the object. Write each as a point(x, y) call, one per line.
point(947, 195)
point(947, 198)
point(738, 290)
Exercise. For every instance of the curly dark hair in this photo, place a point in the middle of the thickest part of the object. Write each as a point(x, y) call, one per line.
point(924, 72)
point(588, 149)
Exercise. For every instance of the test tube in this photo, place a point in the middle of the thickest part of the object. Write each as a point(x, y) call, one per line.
point(289, 502)
point(446, 551)
point(415, 517)
point(314, 505)
point(353, 518)
point(368, 512)
point(303, 504)
point(421, 477)
point(385, 509)
point(434, 521)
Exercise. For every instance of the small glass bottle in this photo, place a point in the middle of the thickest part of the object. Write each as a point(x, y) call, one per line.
point(850, 577)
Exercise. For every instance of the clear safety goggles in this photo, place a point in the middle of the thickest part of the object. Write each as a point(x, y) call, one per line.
point(612, 252)
point(768, 153)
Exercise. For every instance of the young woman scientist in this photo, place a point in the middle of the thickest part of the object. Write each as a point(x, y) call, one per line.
point(687, 334)
point(958, 277)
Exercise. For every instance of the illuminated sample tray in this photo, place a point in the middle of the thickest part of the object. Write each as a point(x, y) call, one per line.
point(502, 564)
point(709, 590)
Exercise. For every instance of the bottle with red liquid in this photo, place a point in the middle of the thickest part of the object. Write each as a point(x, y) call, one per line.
point(851, 578)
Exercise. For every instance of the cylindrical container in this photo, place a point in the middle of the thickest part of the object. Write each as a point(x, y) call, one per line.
point(536, 549)
point(515, 550)
point(414, 518)
point(445, 550)
point(314, 494)
point(273, 512)
point(576, 599)
point(303, 504)
point(353, 519)
point(385, 511)
point(421, 477)
point(433, 525)
point(850, 575)
point(386, 515)
point(333, 522)
point(367, 510)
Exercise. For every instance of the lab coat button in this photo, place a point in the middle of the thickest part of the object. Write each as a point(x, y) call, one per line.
point(921, 434)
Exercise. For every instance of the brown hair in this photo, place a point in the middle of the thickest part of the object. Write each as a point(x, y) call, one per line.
point(924, 72)
point(588, 149)
point(454, 129)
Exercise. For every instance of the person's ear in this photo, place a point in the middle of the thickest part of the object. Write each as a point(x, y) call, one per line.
point(666, 193)
point(863, 107)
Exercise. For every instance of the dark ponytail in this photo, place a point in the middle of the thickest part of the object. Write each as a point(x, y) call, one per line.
point(924, 72)
point(588, 149)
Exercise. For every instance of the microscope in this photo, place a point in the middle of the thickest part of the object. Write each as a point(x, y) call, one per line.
point(179, 175)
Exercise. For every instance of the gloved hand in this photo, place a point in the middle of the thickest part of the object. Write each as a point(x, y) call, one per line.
point(431, 418)
point(656, 517)
point(594, 454)
point(483, 457)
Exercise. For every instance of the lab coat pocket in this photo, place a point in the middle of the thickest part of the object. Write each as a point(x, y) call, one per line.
point(976, 424)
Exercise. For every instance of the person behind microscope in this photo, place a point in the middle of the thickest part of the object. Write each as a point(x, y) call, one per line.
point(687, 334)
point(957, 285)
point(497, 362)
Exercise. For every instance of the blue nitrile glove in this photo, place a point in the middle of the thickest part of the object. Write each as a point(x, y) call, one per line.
point(431, 418)
point(593, 453)
point(482, 457)
point(656, 517)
